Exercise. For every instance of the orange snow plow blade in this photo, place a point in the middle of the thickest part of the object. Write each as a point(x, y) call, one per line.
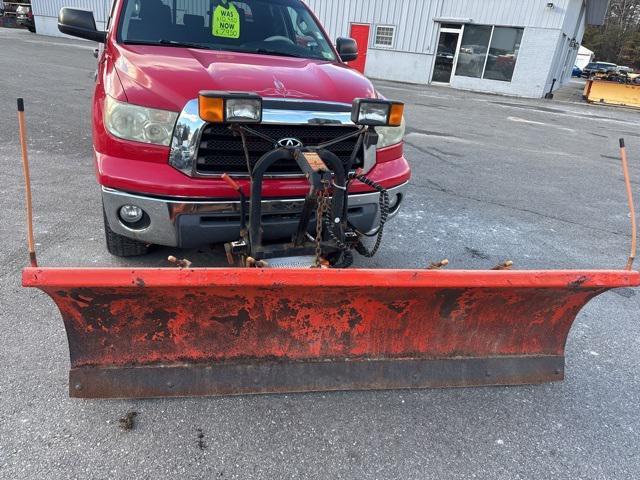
point(173, 332)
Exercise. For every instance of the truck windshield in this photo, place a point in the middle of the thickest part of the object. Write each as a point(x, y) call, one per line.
point(266, 27)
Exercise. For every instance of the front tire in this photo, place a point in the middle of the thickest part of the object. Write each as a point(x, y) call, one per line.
point(121, 246)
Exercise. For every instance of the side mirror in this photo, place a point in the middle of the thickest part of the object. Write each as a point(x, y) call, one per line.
point(80, 23)
point(347, 49)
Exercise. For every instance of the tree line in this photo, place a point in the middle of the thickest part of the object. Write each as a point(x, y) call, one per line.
point(618, 40)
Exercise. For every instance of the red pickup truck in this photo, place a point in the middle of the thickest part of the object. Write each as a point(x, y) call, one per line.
point(160, 165)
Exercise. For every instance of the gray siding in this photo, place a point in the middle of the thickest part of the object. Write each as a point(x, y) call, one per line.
point(51, 8)
point(415, 29)
point(596, 11)
point(574, 17)
point(517, 13)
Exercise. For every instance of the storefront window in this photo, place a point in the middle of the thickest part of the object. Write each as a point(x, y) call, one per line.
point(503, 53)
point(488, 52)
point(473, 50)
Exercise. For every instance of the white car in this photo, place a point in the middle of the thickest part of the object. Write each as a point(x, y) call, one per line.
point(621, 69)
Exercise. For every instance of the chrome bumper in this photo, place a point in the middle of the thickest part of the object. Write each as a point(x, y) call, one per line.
point(163, 228)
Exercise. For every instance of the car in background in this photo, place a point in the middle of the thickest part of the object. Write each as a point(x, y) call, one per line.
point(471, 59)
point(24, 17)
point(576, 72)
point(598, 67)
point(624, 70)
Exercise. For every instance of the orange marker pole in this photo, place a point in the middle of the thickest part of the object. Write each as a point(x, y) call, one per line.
point(27, 183)
point(634, 227)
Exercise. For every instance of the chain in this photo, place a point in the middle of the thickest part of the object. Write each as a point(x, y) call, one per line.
point(325, 221)
point(384, 216)
point(321, 210)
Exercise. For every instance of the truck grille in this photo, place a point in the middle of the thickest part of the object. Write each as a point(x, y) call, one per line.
point(221, 151)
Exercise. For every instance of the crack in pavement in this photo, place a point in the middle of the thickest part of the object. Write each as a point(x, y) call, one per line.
point(437, 187)
point(449, 154)
point(434, 155)
point(431, 133)
point(432, 105)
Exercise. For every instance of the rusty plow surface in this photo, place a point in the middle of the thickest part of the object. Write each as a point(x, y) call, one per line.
point(171, 332)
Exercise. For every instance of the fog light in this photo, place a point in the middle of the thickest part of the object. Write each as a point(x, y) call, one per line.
point(131, 213)
point(243, 110)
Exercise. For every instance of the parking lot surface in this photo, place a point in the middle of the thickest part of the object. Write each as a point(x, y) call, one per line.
point(495, 178)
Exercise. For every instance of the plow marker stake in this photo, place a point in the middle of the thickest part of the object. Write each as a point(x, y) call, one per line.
point(172, 332)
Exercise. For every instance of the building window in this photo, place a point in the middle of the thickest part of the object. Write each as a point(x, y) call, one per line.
point(473, 50)
point(489, 52)
point(385, 35)
point(503, 53)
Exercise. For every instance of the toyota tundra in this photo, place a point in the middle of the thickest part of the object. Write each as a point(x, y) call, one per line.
point(161, 166)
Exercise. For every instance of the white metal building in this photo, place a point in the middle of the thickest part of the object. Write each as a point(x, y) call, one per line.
point(513, 47)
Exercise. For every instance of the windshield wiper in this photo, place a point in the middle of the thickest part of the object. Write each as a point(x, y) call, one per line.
point(204, 46)
point(266, 51)
point(170, 43)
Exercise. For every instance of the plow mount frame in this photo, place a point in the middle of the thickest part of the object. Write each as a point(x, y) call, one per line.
point(193, 332)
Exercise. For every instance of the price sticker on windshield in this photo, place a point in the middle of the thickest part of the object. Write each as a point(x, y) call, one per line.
point(226, 21)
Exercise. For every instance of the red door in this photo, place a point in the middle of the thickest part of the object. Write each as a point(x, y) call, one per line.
point(360, 33)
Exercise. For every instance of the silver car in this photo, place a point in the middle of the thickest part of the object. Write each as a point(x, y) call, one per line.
point(24, 17)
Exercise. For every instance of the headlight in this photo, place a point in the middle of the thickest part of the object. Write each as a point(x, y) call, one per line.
point(390, 135)
point(140, 124)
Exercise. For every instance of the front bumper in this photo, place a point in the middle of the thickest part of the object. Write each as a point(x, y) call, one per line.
point(188, 224)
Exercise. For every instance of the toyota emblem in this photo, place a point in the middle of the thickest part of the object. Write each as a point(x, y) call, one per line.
point(290, 143)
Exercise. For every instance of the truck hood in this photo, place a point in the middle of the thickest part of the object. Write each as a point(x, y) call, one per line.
point(168, 77)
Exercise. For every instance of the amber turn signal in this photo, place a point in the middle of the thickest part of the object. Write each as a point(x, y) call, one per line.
point(396, 114)
point(230, 107)
point(211, 109)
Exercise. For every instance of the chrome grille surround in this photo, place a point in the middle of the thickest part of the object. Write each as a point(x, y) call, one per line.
point(189, 129)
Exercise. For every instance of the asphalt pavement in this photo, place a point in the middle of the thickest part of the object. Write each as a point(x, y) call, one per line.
point(495, 178)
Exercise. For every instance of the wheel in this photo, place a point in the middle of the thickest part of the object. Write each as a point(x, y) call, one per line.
point(121, 246)
point(32, 28)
